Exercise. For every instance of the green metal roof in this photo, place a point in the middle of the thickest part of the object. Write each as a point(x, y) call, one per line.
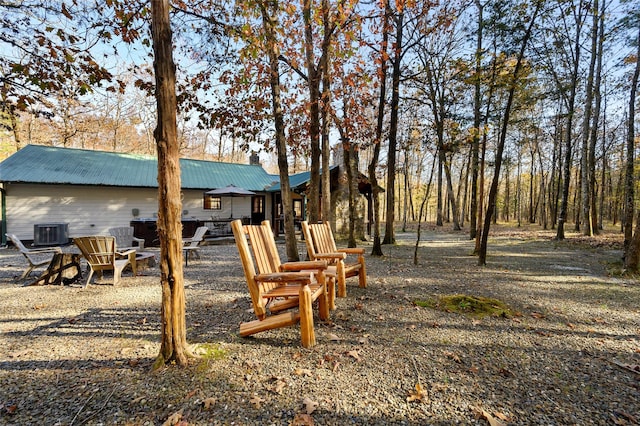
point(51, 165)
point(299, 180)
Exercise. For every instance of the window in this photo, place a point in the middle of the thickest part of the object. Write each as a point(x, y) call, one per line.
point(258, 205)
point(212, 202)
point(297, 208)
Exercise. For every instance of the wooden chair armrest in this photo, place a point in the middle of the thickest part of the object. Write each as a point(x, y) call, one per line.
point(299, 266)
point(283, 277)
point(125, 253)
point(46, 250)
point(331, 255)
point(353, 250)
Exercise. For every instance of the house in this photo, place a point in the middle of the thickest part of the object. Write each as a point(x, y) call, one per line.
point(50, 193)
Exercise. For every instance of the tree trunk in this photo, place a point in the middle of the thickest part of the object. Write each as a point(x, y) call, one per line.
point(389, 234)
point(439, 201)
point(376, 249)
point(174, 332)
point(595, 217)
point(475, 143)
point(586, 187)
point(564, 205)
point(631, 242)
point(326, 117)
point(270, 25)
point(313, 80)
point(493, 191)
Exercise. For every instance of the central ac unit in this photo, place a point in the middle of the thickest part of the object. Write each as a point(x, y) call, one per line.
point(50, 234)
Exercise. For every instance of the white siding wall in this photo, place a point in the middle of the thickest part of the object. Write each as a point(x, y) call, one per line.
point(193, 202)
point(91, 210)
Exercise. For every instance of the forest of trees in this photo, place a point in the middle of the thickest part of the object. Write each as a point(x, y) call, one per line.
point(484, 110)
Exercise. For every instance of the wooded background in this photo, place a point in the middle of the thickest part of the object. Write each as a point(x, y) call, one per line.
point(475, 111)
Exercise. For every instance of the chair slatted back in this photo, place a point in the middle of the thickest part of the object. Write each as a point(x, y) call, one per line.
point(99, 250)
point(123, 235)
point(255, 290)
point(198, 236)
point(322, 237)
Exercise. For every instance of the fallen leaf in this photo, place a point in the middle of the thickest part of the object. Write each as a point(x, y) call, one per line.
point(309, 405)
point(256, 401)
point(208, 402)
point(336, 364)
point(537, 315)
point(452, 356)
point(419, 394)
point(502, 416)
point(278, 385)
point(302, 419)
point(133, 362)
point(354, 355)
point(572, 326)
point(333, 337)
point(9, 408)
point(173, 419)
point(302, 372)
point(483, 414)
point(36, 307)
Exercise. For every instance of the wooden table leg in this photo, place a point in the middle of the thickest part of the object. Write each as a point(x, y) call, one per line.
point(59, 270)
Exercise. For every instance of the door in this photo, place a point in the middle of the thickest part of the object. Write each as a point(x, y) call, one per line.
point(257, 209)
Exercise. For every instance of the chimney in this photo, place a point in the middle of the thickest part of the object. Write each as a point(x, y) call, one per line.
point(338, 155)
point(254, 159)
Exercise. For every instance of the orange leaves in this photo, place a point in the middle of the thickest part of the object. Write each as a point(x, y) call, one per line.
point(493, 421)
point(419, 394)
point(256, 401)
point(174, 419)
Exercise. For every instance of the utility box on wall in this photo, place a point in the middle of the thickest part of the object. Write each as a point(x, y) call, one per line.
point(50, 234)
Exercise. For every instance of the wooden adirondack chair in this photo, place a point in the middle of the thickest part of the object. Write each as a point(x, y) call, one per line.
point(125, 238)
point(101, 255)
point(322, 246)
point(191, 246)
point(275, 287)
point(36, 257)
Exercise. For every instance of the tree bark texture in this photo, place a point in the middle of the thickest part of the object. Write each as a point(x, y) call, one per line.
point(493, 191)
point(389, 234)
point(270, 24)
point(174, 332)
point(631, 242)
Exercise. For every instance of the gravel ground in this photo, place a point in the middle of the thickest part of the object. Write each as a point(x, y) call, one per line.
point(570, 354)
